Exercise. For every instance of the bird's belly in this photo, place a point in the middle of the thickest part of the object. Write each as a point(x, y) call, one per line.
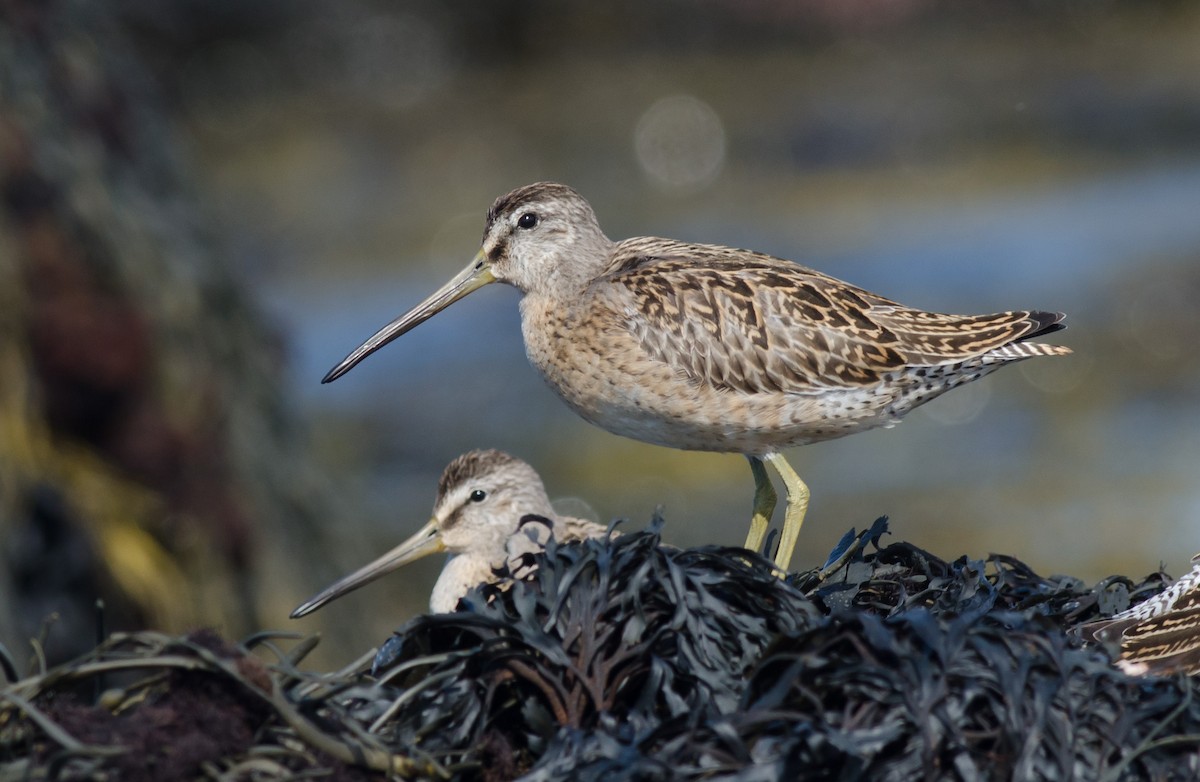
point(609, 381)
point(728, 422)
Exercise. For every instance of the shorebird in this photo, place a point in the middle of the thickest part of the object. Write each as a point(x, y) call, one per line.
point(491, 511)
point(711, 348)
point(1159, 636)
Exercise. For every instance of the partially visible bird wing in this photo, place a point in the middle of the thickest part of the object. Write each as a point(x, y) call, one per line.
point(530, 538)
point(1164, 644)
point(581, 529)
point(753, 323)
point(533, 531)
point(1160, 635)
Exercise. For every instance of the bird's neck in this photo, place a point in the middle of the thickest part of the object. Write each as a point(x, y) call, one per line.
point(573, 265)
point(461, 573)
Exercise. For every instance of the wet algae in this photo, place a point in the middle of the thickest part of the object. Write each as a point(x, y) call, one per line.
point(627, 659)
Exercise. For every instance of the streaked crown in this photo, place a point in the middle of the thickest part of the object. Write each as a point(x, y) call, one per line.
point(545, 236)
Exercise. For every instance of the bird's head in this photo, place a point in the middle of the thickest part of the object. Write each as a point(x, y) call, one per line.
point(542, 237)
point(482, 498)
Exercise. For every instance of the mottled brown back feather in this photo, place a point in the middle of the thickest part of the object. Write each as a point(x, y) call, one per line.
point(748, 322)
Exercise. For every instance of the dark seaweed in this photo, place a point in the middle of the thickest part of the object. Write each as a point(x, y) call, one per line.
point(623, 659)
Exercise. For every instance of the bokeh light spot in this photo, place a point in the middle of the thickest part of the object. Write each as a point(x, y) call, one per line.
point(960, 406)
point(680, 143)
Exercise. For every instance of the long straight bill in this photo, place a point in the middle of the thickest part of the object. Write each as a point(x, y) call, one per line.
point(477, 274)
point(428, 540)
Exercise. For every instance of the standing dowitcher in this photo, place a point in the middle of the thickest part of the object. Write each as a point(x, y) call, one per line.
point(491, 511)
point(711, 348)
point(1159, 636)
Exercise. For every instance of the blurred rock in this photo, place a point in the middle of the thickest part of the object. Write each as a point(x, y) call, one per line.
point(147, 457)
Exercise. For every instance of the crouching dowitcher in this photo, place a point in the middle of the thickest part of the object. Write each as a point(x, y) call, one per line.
point(491, 511)
point(1159, 636)
point(711, 348)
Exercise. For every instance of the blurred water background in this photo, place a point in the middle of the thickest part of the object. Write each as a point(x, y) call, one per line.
point(962, 157)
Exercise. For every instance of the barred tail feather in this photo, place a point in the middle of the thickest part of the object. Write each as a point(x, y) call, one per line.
point(1016, 351)
point(1037, 324)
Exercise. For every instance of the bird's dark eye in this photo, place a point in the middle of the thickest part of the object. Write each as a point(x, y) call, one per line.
point(527, 220)
point(479, 495)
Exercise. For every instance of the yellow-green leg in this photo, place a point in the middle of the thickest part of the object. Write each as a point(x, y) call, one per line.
point(793, 514)
point(764, 505)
